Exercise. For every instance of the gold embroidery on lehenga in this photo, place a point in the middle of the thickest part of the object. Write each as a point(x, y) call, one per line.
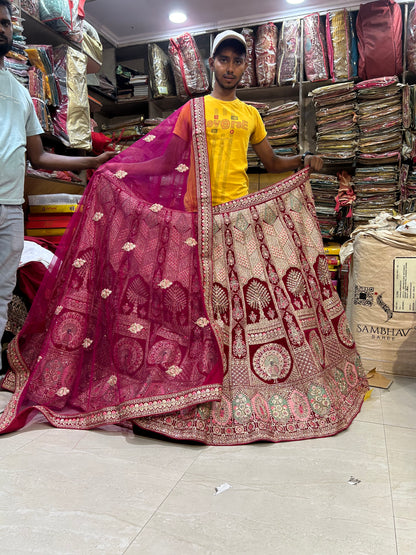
point(165, 283)
point(173, 370)
point(78, 263)
point(120, 174)
point(128, 247)
point(135, 328)
point(62, 391)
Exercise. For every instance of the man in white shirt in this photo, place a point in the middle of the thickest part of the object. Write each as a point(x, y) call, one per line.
point(20, 132)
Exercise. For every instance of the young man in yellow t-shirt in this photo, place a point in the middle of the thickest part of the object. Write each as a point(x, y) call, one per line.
point(231, 125)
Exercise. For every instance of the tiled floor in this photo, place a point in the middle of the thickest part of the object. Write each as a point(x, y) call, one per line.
point(76, 492)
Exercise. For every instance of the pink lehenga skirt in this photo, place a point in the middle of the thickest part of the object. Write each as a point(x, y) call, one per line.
point(220, 326)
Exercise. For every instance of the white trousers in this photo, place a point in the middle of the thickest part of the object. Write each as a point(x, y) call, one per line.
point(11, 247)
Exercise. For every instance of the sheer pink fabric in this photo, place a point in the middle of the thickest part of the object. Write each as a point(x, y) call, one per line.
point(119, 327)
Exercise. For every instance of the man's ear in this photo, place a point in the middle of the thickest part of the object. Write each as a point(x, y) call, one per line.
point(211, 63)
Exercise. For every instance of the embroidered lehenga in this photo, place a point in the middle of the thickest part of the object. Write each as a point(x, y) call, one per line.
point(220, 326)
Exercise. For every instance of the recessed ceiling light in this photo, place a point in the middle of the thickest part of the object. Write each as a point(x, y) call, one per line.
point(294, 1)
point(178, 17)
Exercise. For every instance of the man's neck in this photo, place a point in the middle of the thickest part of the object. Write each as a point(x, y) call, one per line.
point(223, 94)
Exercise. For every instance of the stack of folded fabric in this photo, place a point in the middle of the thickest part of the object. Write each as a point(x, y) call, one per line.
point(324, 189)
point(16, 60)
point(332, 250)
point(409, 122)
point(408, 185)
point(376, 190)
point(281, 124)
point(43, 87)
point(411, 183)
point(263, 109)
point(49, 215)
point(409, 203)
point(337, 131)
point(42, 57)
point(380, 120)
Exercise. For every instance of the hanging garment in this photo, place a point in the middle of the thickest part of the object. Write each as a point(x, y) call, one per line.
point(314, 47)
point(189, 71)
point(338, 37)
point(160, 72)
point(220, 325)
point(288, 51)
point(249, 78)
point(379, 32)
point(265, 47)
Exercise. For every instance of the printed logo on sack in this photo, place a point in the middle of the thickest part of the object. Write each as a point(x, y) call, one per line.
point(363, 296)
point(382, 333)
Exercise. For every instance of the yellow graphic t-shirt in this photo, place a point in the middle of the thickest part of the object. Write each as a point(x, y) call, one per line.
point(230, 127)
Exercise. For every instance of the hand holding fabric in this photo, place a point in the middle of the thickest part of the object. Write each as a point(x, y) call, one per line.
point(314, 161)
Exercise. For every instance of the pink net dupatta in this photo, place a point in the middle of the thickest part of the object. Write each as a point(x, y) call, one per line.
point(119, 328)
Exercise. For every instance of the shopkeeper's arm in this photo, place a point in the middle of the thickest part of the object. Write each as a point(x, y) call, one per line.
point(280, 164)
point(41, 159)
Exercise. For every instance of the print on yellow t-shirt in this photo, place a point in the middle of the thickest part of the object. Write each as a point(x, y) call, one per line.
point(230, 127)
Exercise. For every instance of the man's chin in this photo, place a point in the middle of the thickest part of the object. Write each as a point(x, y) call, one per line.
point(4, 48)
point(228, 86)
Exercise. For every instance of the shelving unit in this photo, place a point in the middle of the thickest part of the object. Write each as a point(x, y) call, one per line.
point(275, 94)
point(39, 33)
point(114, 112)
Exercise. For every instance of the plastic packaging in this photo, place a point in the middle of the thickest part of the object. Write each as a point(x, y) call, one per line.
point(72, 120)
point(249, 78)
point(189, 71)
point(288, 53)
point(160, 71)
point(266, 49)
point(339, 44)
point(314, 47)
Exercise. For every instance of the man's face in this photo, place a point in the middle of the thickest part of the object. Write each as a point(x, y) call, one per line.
point(6, 31)
point(228, 68)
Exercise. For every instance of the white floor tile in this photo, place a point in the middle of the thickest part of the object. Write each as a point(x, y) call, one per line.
point(406, 536)
point(399, 403)
point(371, 409)
point(401, 444)
point(261, 519)
point(111, 492)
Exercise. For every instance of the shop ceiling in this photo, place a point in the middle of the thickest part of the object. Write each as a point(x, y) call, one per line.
point(130, 22)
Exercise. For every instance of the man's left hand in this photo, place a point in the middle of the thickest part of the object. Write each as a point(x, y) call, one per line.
point(314, 161)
